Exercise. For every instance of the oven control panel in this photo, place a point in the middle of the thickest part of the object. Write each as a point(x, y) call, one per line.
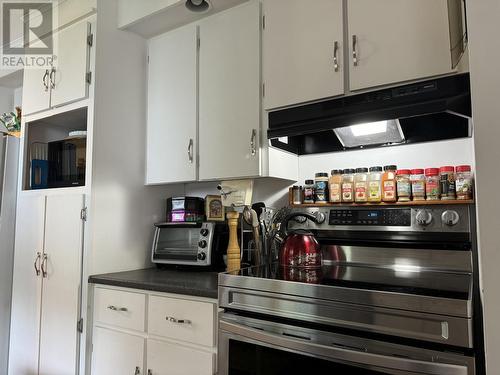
point(400, 217)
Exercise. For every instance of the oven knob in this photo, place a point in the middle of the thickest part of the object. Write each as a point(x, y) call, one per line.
point(204, 232)
point(320, 217)
point(423, 217)
point(202, 256)
point(450, 217)
point(202, 244)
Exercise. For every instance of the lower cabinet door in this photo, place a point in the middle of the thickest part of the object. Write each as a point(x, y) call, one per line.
point(117, 353)
point(173, 359)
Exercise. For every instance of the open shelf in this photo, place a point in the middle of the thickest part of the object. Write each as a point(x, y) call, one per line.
point(53, 159)
point(410, 203)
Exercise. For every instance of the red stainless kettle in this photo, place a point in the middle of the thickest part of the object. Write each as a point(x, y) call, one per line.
point(299, 248)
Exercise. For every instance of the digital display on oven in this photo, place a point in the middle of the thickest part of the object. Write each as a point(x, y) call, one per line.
point(369, 215)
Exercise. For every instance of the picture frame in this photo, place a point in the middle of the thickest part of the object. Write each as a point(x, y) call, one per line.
point(214, 208)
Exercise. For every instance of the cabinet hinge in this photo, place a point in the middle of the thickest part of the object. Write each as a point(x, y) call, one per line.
point(79, 325)
point(264, 22)
point(88, 77)
point(263, 90)
point(198, 42)
point(83, 214)
point(90, 39)
point(148, 59)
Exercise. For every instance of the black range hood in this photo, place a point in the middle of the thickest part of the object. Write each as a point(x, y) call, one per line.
point(431, 110)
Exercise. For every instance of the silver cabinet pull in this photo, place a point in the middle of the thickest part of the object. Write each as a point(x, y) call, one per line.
point(51, 77)
point(44, 80)
point(114, 308)
point(37, 263)
point(137, 371)
point(354, 52)
point(335, 59)
point(190, 150)
point(150, 372)
point(171, 319)
point(253, 142)
point(44, 265)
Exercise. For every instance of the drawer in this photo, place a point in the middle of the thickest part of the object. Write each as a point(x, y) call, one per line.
point(119, 308)
point(189, 321)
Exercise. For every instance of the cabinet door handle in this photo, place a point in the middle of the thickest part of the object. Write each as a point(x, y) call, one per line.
point(335, 58)
point(137, 370)
point(44, 265)
point(114, 308)
point(150, 372)
point(355, 59)
point(253, 142)
point(190, 150)
point(37, 263)
point(52, 81)
point(44, 80)
point(171, 319)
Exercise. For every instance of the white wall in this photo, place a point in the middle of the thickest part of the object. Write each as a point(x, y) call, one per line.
point(421, 155)
point(484, 46)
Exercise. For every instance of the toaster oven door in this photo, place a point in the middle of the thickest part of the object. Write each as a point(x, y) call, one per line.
point(176, 244)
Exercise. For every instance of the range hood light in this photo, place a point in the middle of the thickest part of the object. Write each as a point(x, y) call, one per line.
point(370, 134)
point(369, 128)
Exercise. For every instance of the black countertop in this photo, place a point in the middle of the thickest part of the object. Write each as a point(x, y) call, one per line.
point(188, 282)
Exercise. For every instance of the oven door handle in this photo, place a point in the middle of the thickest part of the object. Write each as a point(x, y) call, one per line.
point(342, 354)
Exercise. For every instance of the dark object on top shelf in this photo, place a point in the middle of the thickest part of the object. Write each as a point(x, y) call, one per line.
point(432, 110)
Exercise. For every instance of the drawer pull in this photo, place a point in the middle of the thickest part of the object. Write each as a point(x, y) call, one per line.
point(114, 308)
point(137, 370)
point(171, 319)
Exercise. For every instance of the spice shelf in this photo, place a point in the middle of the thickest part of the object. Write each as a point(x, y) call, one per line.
point(411, 203)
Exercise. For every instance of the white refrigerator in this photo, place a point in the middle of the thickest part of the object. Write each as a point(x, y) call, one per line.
point(9, 155)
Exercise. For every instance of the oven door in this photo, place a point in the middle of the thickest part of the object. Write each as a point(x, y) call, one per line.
point(249, 346)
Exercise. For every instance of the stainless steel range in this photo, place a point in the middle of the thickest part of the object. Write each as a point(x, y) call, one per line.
point(397, 294)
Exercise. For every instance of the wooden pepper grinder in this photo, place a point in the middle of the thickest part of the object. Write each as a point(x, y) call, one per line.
point(233, 249)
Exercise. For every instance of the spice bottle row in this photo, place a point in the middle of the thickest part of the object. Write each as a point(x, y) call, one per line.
point(387, 184)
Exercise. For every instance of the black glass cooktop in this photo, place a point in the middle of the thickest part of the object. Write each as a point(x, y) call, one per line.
point(398, 280)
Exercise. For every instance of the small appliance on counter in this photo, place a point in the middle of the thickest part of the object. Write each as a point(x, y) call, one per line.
point(185, 209)
point(190, 244)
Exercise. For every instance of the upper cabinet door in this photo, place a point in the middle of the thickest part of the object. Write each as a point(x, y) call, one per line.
point(302, 55)
point(71, 64)
point(61, 271)
point(397, 40)
point(172, 107)
point(27, 286)
point(36, 90)
point(229, 120)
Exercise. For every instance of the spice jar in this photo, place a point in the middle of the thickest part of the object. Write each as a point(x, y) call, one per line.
point(389, 184)
point(417, 179)
point(464, 182)
point(321, 188)
point(374, 185)
point(348, 185)
point(335, 186)
point(447, 182)
point(432, 188)
point(403, 185)
point(361, 185)
point(309, 191)
point(296, 194)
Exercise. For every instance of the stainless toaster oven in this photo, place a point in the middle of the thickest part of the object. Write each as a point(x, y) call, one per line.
point(189, 243)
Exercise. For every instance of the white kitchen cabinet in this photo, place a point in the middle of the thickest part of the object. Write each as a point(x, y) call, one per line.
point(27, 286)
point(179, 334)
point(47, 285)
point(302, 51)
point(71, 65)
point(397, 40)
point(230, 84)
point(172, 107)
point(117, 353)
point(59, 338)
point(165, 358)
point(67, 80)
